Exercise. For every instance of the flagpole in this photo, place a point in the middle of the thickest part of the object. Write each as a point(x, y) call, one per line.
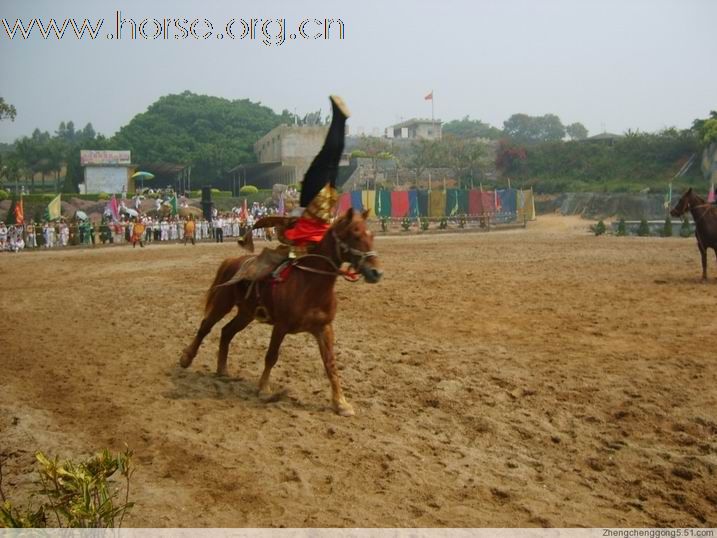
point(432, 102)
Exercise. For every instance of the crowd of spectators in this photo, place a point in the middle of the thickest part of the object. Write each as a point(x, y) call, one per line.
point(141, 229)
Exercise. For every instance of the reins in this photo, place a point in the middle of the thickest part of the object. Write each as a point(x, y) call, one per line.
point(707, 208)
point(341, 246)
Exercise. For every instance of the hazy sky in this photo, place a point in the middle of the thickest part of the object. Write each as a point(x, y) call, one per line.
point(643, 64)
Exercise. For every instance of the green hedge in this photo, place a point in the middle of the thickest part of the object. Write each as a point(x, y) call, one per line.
point(4, 195)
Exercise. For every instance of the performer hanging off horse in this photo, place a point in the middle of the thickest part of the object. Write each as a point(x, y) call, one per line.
point(292, 287)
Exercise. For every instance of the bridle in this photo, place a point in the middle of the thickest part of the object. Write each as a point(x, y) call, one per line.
point(362, 255)
point(357, 261)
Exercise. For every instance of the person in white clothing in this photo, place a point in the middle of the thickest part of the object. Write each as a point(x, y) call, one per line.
point(64, 234)
point(164, 230)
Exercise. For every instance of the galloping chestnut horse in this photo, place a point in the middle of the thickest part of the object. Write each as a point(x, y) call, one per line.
point(705, 216)
point(304, 301)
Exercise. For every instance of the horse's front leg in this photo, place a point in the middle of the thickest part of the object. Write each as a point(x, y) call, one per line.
point(325, 338)
point(703, 253)
point(272, 355)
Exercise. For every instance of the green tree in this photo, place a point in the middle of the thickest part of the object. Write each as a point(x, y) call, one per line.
point(468, 128)
point(621, 227)
point(706, 129)
point(576, 131)
point(667, 228)
point(211, 133)
point(7, 110)
point(526, 129)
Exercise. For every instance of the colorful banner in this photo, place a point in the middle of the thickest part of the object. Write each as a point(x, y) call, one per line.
point(344, 203)
point(507, 199)
point(383, 203)
point(368, 198)
point(54, 208)
point(356, 202)
point(19, 212)
point(422, 203)
point(413, 210)
point(474, 205)
point(487, 202)
point(437, 201)
point(400, 204)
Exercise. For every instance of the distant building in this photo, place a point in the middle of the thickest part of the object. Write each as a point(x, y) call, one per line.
point(284, 154)
point(106, 171)
point(416, 129)
point(291, 145)
point(605, 138)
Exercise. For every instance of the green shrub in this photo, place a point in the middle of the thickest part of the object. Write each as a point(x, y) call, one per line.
point(424, 224)
point(384, 224)
point(4, 195)
point(621, 228)
point(247, 189)
point(357, 153)
point(79, 495)
point(599, 228)
point(462, 221)
point(103, 196)
point(405, 223)
point(686, 228)
point(643, 230)
point(443, 223)
point(667, 229)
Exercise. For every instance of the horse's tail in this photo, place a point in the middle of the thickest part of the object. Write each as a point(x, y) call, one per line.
point(223, 294)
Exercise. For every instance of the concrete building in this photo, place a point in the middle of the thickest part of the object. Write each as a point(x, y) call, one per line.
point(291, 145)
point(416, 129)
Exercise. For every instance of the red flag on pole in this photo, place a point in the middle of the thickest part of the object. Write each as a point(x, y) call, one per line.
point(429, 97)
point(19, 212)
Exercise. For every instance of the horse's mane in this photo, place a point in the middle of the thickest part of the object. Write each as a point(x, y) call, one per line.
point(698, 198)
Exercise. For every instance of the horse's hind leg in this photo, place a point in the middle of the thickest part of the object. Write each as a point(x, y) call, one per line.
point(272, 355)
point(325, 338)
point(242, 319)
point(217, 312)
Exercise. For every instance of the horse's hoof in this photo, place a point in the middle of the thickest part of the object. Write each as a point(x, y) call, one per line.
point(223, 372)
point(185, 360)
point(344, 409)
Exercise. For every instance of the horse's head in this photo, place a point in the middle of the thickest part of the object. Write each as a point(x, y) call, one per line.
point(354, 245)
point(687, 200)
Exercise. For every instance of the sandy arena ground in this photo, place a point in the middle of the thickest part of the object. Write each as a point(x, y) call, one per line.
point(539, 377)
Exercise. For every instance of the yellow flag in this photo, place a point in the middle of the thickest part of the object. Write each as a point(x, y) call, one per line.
point(53, 208)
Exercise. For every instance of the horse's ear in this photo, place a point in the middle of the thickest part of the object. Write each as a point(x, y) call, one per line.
point(689, 190)
point(365, 214)
point(349, 213)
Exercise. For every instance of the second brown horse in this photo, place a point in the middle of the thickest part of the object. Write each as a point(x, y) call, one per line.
point(304, 302)
point(705, 216)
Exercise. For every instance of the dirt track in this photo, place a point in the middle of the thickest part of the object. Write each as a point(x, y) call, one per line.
point(519, 378)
